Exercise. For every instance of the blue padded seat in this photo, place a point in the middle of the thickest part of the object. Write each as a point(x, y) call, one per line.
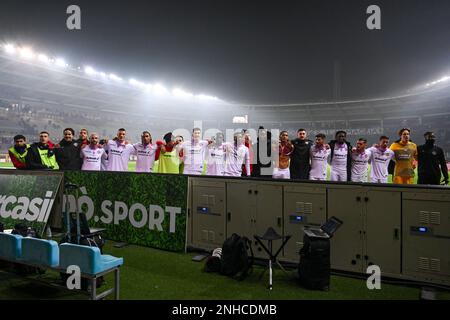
point(10, 246)
point(87, 258)
point(40, 251)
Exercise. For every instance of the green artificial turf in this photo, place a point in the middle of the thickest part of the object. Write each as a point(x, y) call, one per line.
point(160, 275)
point(6, 165)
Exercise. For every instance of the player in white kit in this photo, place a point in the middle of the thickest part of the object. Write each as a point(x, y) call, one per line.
point(380, 157)
point(145, 152)
point(216, 157)
point(319, 153)
point(194, 153)
point(118, 152)
point(92, 154)
point(340, 160)
point(236, 154)
point(360, 161)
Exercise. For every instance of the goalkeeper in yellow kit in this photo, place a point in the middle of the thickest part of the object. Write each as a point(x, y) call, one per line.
point(405, 153)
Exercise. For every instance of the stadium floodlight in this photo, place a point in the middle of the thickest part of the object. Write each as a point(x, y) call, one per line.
point(102, 74)
point(159, 89)
point(443, 79)
point(61, 63)
point(90, 71)
point(205, 97)
point(10, 49)
point(43, 58)
point(26, 53)
point(136, 83)
point(113, 77)
point(179, 93)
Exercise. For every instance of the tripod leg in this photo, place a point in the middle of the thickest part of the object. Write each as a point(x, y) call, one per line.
point(281, 267)
point(270, 274)
point(67, 213)
point(78, 217)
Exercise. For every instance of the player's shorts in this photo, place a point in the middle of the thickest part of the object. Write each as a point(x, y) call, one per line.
point(378, 180)
point(362, 178)
point(192, 171)
point(338, 175)
point(403, 180)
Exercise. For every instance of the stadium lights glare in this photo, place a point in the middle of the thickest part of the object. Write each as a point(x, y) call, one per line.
point(90, 71)
point(136, 83)
point(159, 89)
point(26, 53)
point(10, 49)
point(181, 93)
point(205, 97)
point(443, 79)
point(113, 77)
point(61, 63)
point(43, 58)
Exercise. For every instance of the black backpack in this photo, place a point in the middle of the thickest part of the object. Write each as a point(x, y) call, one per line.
point(236, 262)
point(24, 230)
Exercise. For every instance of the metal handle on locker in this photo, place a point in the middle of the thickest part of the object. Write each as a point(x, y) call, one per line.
point(256, 191)
point(358, 198)
point(279, 221)
point(229, 216)
point(249, 191)
point(366, 199)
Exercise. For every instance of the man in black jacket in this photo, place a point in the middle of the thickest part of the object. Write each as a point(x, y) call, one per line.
point(68, 152)
point(300, 163)
point(431, 162)
point(341, 158)
point(41, 155)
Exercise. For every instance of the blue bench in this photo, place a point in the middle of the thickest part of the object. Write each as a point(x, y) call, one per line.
point(47, 254)
point(44, 253)
point(92, 264)
point(10, 246)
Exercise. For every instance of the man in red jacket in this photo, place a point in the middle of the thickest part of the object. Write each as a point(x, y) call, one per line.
point(18, 152)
